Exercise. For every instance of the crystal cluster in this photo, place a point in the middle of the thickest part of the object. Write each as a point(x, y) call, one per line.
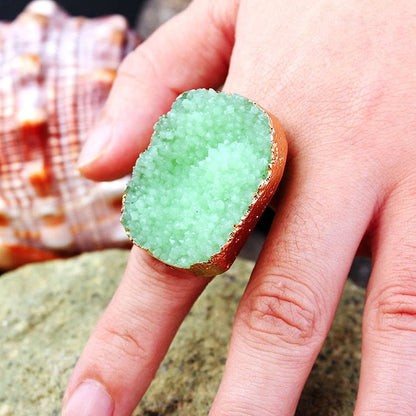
point(193, 185)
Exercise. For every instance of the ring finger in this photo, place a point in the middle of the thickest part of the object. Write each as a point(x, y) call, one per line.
point(389, 322)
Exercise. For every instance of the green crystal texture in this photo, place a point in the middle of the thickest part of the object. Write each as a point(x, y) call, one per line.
point(197, 179)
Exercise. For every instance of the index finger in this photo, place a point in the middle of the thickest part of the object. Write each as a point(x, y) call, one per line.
point(192, 50)
point(132, 337)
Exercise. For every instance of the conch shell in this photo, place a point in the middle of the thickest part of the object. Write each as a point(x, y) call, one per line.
point(55, 75)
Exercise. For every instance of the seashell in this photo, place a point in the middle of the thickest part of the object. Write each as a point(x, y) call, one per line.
point(55, 74)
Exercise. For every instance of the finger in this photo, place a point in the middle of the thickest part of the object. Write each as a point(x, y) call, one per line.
point(129, 342)
point(388, 369)
point(287, 309)
point(190, 51)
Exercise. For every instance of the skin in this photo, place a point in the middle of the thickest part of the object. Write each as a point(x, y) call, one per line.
point(341, 77)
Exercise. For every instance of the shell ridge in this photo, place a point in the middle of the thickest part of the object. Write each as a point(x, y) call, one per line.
point(56, 72)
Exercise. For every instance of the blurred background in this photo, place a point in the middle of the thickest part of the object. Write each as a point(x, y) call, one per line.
point(91, 8)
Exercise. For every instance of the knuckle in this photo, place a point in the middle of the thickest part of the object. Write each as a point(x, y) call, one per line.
point(123, 343)
point(135, 61)
point(284, 308)
point(141, 63)
point(393, 307)
point(144, 61)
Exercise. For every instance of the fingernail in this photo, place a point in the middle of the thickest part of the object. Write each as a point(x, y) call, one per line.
point(95, 146)
point(89, 399)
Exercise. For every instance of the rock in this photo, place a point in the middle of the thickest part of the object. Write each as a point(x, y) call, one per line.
point(156, 12)
point(48, 310)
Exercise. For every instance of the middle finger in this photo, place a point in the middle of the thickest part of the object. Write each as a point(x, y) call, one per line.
point(288, 307)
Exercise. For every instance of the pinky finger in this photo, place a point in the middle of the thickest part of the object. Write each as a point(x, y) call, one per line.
point(388, 373)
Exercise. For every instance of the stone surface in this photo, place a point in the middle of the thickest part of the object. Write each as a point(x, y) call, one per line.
point(48, 310)
point(156, 12)
point(46, 313)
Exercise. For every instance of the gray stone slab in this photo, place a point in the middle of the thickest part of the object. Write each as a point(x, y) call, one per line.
point(48, 310)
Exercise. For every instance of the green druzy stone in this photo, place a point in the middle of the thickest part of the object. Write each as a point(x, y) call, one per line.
point(198, 177)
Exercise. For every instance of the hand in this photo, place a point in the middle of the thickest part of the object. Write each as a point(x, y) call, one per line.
point(341, 76)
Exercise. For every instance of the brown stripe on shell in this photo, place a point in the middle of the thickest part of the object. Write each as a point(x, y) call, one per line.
point(56, 72)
